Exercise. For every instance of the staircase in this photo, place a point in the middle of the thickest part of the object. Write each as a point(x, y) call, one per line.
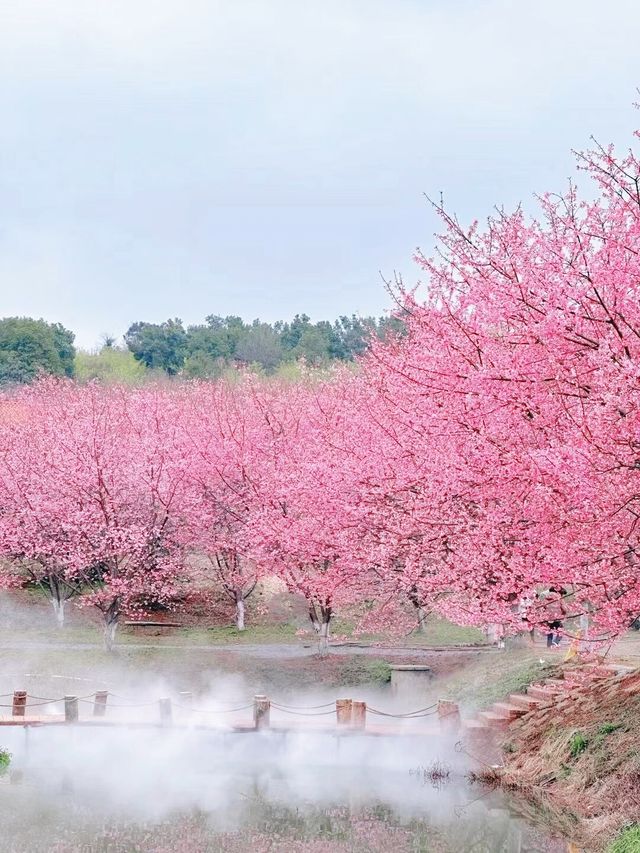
point(483, 729)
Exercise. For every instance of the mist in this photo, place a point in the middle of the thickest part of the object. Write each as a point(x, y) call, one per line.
point(203, 780)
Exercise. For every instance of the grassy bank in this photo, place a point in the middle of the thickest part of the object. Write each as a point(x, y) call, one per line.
point(492, 676)
point(584, 758)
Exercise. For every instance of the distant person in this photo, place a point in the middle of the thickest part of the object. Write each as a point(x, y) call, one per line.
point(553, 636)
point(524, 606)
point(554, 625)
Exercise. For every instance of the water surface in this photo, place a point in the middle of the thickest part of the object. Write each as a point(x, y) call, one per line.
point(86, 789)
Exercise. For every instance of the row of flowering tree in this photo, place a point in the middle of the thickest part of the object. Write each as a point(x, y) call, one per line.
point(120, 497)
point(483, 466)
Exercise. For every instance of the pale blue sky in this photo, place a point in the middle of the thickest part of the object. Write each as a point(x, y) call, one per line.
point(266, 157)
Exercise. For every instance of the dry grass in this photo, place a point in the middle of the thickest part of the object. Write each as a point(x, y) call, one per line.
point(583, 762)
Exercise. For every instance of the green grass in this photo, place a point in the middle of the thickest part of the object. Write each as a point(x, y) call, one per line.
point(84, 626)
point(5, 761)
point(439, 632)
point(627, 842)
point(128, 636)
point(609, 728)
point(578, 744)
point(493, 676)
point(360, 670)
point(273, 633)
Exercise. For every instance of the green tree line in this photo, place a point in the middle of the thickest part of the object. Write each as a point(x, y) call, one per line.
point(206, 350)
point(31, 347)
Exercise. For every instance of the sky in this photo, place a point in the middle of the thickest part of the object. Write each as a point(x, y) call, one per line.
point(180, 158)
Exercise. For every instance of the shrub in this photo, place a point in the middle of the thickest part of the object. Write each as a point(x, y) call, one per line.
point(578, 744)
point(5, 760)
point(380, 671)
point(609, 728)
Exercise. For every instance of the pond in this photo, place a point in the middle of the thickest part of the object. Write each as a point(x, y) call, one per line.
point(186, 791)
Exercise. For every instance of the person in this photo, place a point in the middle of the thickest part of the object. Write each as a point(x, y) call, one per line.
point(553, 636)
point(554, 625)
point(524, 606)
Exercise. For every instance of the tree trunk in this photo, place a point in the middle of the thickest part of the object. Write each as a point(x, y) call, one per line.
point(323, 639)
point(58, 608)
point(56, 590)
point(314, 618)
point(239, 611)
point(422, 619)
point(110, 628)
point(421, 613)
point(111, 618)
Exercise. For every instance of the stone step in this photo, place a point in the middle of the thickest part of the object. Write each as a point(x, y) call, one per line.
point(551, 685)
point(600, 670)
point(546, 694)
point(580, 678)
point(508, 711)
point(526, 702)
point(557, 683)
point(474, 726)
point(494, 721)
point(576, 675)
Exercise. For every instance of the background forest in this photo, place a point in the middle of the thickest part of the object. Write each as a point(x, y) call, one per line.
point(30, 347)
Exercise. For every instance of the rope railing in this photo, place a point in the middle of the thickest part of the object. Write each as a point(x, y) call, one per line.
point(127, 698)
point(89, 698)
point(212, 710)
point(46, 701)
point(409, 715)
point(302, 713)
point(34, 704)
point(128, 705)
point(350, 714)
point(306, 707)
point(401, 716)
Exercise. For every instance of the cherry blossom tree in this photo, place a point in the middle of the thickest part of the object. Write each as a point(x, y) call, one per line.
point(307, 529)
point(223, 440)
point(93, 498)
point(135, 482)
point(36, 540)
point(519, 375)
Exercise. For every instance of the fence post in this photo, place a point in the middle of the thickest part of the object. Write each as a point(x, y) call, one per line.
point(261, 711)
point(19, 703)
point(165, 711)
point(359, 715)
point(71, 709)
point(100, 703)
point(449, 715)
point(343, 712)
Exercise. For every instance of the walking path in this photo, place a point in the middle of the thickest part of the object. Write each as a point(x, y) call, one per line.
point(265, 650)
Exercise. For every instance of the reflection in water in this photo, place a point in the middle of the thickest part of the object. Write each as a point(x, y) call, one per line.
point(186, 791)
